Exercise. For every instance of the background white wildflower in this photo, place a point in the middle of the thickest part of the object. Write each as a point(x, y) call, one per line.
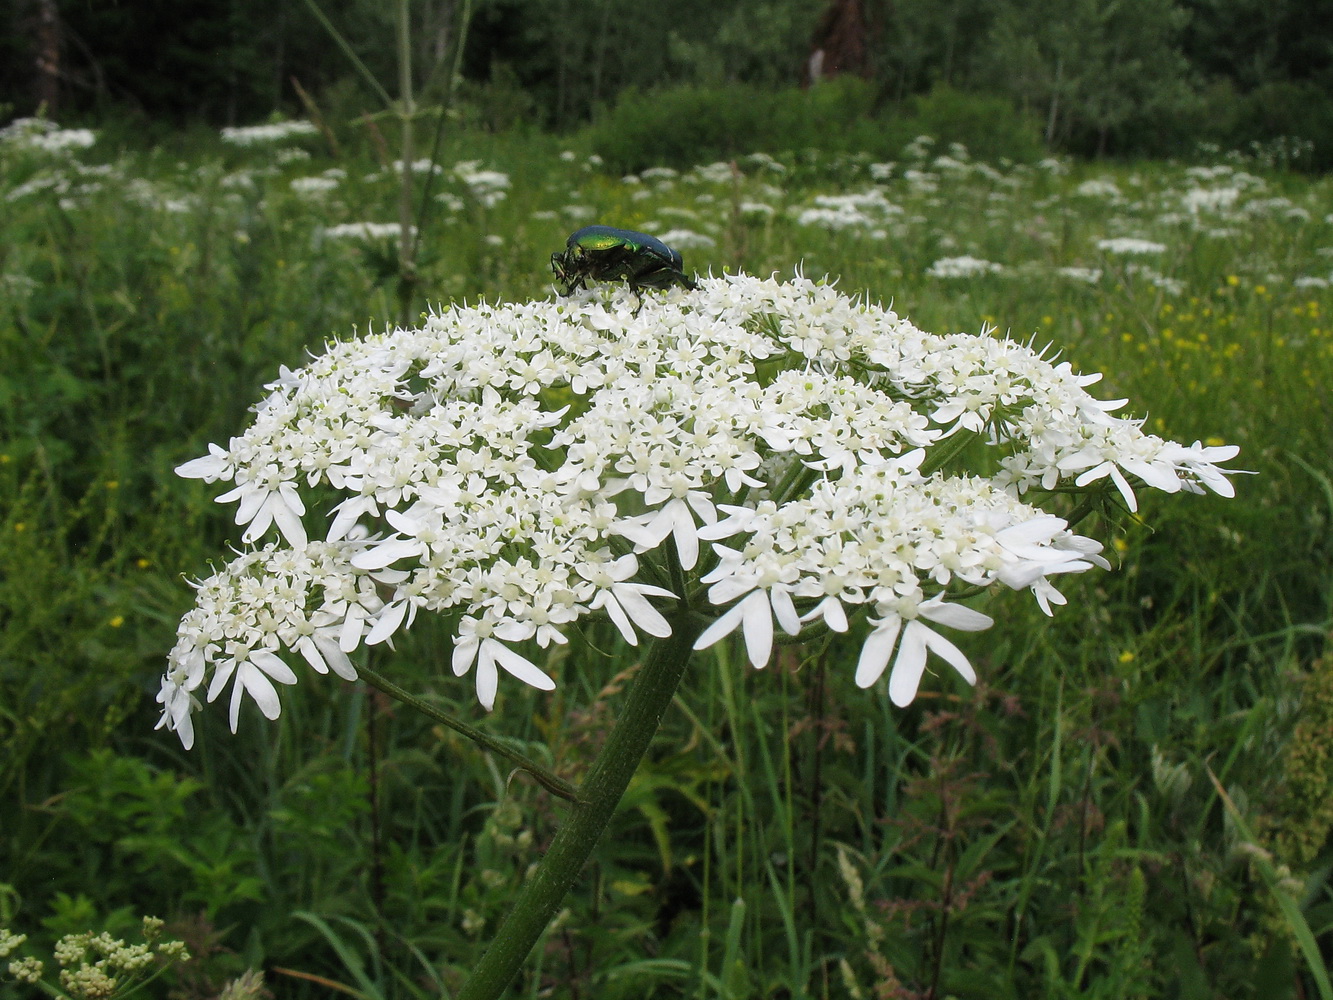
point(365, 230)
point(488, 187)
point(962, 267)
point(1129, 245)
point(45, 136)
point(256, 135)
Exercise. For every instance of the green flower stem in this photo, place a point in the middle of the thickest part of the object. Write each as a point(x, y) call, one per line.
point(599, 794)
point(551, 782)
point(942, 454)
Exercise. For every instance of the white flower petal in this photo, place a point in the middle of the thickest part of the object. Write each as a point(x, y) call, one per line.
point(955, 616)
point(522, 668)
point(909, 665)
point(386, 553)
point(313, 655)
point(210, 468)
point(337, 660)
point(607, 599)
point(260, 688)
point(1126, 491)
point(488, 678)
point(223, 671)
point(465, 653)
point(876, 650)
point(948, 652)
point(835, 616)
point(784, 610)
point(284, 508)
point(349, 637)
point(721, 628)
point(686, 533)
point(387, 623)
point(234, 708)
point(757, 619)
point(347, 514)
point(273, 665)
point(640, 611)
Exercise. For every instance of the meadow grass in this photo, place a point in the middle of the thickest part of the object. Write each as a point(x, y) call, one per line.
point(1054, 832)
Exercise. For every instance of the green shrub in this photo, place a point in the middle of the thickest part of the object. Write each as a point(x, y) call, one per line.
point(1279, 122)
point(689, 125)
point(680, 127)
point(685, 126)
point(989, 126)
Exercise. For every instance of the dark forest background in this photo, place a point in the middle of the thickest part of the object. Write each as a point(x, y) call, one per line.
point(1093, 77)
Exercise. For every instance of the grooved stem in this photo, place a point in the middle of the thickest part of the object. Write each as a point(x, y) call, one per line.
point(607, 779)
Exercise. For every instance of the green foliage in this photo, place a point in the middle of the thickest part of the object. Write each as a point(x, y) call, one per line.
point(989, 126)
point(572, 58)
point(1298, 116)
point(498, 104)
point(694, 125)
point(1087, 67)
point(1304, 813)
point(688, 125)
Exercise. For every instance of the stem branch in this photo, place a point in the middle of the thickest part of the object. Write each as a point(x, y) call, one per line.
point(551, 782)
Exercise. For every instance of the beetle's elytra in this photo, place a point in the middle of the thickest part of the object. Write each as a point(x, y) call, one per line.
point(605, 253)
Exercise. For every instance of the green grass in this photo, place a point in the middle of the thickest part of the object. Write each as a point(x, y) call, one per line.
point(1052, 833)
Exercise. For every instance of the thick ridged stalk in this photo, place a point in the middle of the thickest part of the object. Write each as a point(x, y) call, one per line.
point(607, 779)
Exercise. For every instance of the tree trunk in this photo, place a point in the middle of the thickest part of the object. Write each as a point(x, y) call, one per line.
point(1053, 112)
point(47, 83)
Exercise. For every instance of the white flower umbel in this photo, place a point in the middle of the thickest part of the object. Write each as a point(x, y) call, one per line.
point(255, 135)
point(762, 453)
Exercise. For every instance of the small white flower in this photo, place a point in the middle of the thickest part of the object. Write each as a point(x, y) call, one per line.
point(267, 502)
point(254, 670)
point(626, 603)
point(1129, 245)
point(917, 640)
point(212, 467)
point(365, 230)
point(254, 135)
point(176, 695)
point(1098, 187)
point(962, 267)
point(1087, 275)
point(674, 519)
point(484, 643)
point(317, 639)
point(754, 614)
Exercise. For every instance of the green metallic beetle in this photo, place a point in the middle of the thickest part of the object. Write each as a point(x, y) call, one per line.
point(604, 253)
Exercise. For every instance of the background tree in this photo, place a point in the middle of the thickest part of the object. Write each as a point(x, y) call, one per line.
point(1088, 67)
point(922, 43)
point(1113, 77)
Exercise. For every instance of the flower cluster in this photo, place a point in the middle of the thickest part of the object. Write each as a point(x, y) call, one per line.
point(962, 267)
point(365, 230)
point(763, 453)
point(869, 210)
point(46, 136)
point(95, 966)
point(488, 187)
point(258, 135)
point(1130, 246)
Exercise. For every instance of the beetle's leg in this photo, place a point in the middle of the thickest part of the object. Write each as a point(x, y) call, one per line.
point(637, 289)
